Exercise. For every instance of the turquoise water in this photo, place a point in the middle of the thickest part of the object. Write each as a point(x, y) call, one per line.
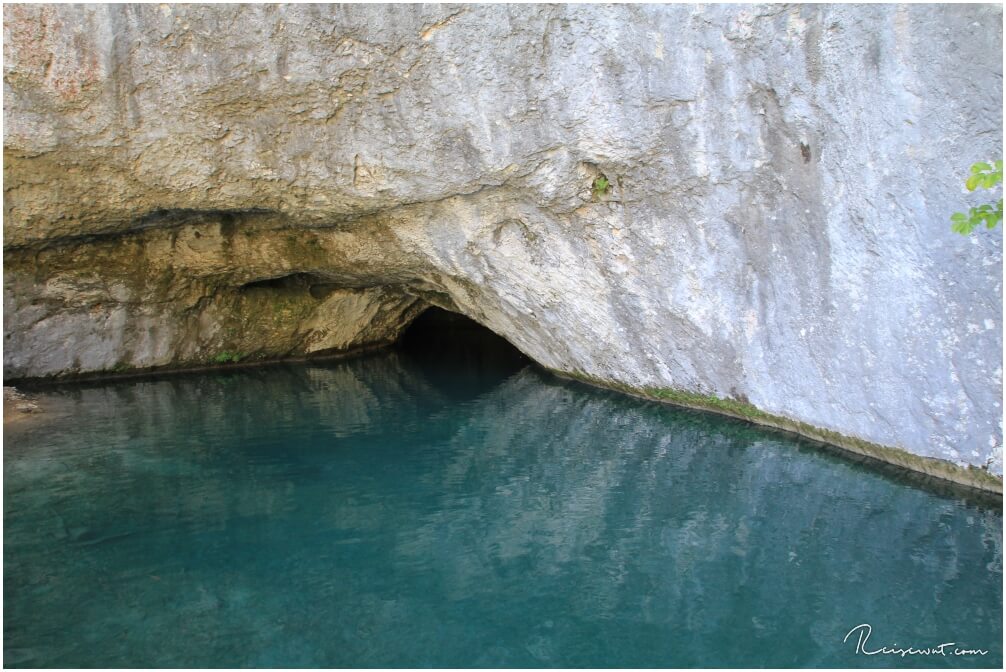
point(464, 511)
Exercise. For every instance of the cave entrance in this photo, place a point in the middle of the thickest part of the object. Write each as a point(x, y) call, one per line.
point(456, 352)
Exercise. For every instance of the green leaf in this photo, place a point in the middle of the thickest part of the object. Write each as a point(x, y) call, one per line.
point(963, 228)
point(981, 175)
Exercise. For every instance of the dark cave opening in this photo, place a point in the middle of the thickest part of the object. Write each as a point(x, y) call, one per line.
point(455, 351)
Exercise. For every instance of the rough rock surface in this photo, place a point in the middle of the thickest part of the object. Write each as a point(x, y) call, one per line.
point(186, 183)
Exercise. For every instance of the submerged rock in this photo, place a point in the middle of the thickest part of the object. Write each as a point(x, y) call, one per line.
point(15, 403)
point(193, 185)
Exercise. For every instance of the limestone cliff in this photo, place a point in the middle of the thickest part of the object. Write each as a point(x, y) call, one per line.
point(191, 184)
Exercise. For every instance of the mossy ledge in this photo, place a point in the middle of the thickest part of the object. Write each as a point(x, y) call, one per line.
point(970, 477)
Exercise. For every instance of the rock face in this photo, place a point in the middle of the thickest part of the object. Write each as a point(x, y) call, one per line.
point(190, 184)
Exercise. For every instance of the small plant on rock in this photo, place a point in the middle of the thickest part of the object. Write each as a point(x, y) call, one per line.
point(601, 186)
point(991, 214)
point(227, 358)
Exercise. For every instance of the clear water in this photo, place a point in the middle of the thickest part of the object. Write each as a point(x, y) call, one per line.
point(463, 511)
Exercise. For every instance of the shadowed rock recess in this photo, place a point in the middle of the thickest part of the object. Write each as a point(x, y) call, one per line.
point(192, 185)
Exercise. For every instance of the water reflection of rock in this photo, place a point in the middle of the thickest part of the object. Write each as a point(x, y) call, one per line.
point(356, 502)
point(715, 518)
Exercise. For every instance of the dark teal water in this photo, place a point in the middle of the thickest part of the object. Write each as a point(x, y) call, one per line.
point(387, 511)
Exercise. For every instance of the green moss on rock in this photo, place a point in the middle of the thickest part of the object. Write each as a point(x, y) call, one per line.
point(972, 477)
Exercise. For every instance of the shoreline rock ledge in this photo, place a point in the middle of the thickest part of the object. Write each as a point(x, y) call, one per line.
point(747, 205)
